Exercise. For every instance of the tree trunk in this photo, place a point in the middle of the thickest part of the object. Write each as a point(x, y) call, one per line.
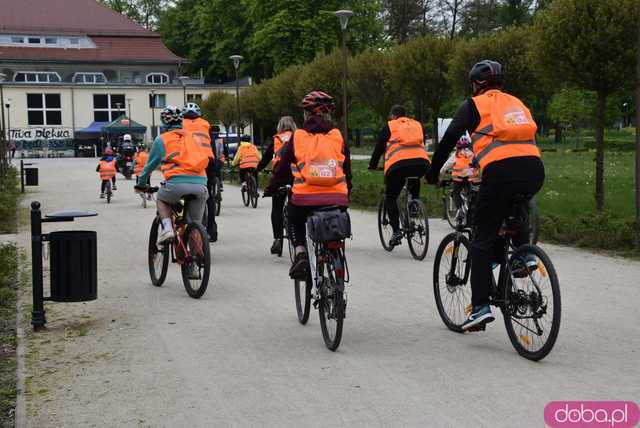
point(558, 136)
point(455, 16)
point(602, 103)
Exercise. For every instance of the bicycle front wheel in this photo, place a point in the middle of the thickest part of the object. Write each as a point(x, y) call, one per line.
point(197, 264)
point(532, 316)
point(158, 256)
point(331, 308)
point(418, 234)
point(384, 226)
point(246, 199)
point(302, 290)
point(451, 285)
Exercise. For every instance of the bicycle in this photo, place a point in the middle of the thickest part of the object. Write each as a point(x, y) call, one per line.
point(458, 208)
point(413, 221)
point(190, 249)
point(249, 190)
point(286, 233)
point(519, 291)
point(214, 191)
point(108, 190)
point(328, 275)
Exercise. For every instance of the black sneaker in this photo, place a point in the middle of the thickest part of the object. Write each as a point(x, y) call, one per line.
point(300, 267)
point(396, 239)
point(276, 248)
point(213, 237)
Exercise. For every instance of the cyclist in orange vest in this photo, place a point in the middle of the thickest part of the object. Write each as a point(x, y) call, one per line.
point(503, 137)
point(183, 156)
point(318, 160)
point(247, 158)
point(286, 128)
point(402, 143)
point(107, 169)
point(139, 161)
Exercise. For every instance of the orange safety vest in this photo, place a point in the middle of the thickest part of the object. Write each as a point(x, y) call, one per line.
point(248, 156)
point(506, 129)
point(463, 168)
point(107, 169)
point(406, 142)
point(318, 175)
point(197, 124)
point(279, 140)
point(139, 162)
point(187, 153)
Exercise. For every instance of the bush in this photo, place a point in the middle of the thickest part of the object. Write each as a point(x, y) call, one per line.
point(9, 194)
point(590, 231)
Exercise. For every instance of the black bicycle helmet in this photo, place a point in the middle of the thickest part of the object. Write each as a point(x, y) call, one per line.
point(487, 74)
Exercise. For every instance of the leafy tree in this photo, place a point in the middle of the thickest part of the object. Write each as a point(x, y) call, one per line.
point(144, 12)
point(572, 107)
point(420, 68)
point(404, 18)
point(591, 50)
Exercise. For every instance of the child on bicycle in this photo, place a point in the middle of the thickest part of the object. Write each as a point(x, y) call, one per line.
point(107, 169)
point(247, 158)
point(461, 167)
point(139, 161)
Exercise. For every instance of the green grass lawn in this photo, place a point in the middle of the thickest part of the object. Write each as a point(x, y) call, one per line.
point(567, 203)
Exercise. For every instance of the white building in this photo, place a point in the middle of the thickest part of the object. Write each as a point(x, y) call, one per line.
point(72, 66)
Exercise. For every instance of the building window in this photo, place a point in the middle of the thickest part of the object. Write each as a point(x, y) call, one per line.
point(159, 100)
point(108, 107)
point(194, 98)
point(44, 109)
point(17, 39)
point(89, 78)
point(74, 41)
point(51, 40)
point(37, 77)
point(34, 40)
point(157, 78)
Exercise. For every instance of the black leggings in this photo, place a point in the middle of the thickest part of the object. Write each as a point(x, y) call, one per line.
point(277, 205)
point(501, 182)
point(103, 184)
point(394, 182)
point(212, 226)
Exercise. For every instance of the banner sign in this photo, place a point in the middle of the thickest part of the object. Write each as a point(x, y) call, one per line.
point(41, 133)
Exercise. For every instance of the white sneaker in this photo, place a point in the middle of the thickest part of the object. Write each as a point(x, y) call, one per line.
point(165, 236)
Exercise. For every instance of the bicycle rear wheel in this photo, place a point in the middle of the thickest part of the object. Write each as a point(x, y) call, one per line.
point(158, 257)
point(532, 317)
point(218, 200)
point(418, 233)
point(451, 286)
point(384, 226)
point(197, 265)
point(302, 290)
point(109, 191)
point(450, 208)
point(246, 199)
point(331, 307)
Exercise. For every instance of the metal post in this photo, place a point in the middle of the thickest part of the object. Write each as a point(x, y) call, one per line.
point(38, 319)
point(153, 115)
point(3, 141)
point(237, 105)
point(345, 125)
point(21, 176)
point(638, 144)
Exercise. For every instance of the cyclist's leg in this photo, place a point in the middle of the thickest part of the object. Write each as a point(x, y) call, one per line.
point(212, 227)
point(255, 174)
point(103, 186)
point(277, 205)
point(489, 212)
point(414, 185)
point(394, 181)
point(297, 218)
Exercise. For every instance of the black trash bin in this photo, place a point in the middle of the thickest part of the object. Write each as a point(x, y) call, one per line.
point(74, 266)
point(31, 176)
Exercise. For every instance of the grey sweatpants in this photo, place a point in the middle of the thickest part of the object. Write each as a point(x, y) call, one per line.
point(171, 193)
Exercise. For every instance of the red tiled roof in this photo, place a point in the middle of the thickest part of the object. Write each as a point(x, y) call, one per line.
point(64, 17)
point(108, 49)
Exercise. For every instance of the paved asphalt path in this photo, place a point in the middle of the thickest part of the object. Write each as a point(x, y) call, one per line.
point(147, 356)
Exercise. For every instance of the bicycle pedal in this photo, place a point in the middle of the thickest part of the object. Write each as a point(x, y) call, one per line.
point(479, 327)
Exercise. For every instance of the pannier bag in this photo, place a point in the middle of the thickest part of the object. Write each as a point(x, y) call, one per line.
point(330, 225)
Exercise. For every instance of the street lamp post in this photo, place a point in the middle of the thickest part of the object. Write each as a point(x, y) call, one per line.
point(129, 114)
point(8, 106)
point(236, 64)
point(3, 146)
point(184, 79)
point(343, 16)
point(152, 102)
